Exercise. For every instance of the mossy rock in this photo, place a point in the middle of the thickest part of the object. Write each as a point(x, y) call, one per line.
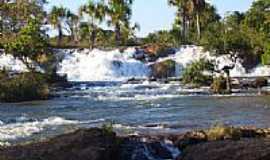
point(163, 69)
point(23, 87)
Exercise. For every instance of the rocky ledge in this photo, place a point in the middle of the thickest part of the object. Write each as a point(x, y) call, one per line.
point(217, 143)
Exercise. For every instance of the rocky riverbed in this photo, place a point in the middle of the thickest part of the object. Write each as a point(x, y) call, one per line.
point(217, 143)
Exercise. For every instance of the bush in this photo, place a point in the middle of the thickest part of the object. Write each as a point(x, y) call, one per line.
point(266, 59)
point(219, 85)
point(221, 132)
point(23, 87)
point(195, 73)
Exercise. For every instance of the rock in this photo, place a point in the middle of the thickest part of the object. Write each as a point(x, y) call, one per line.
point(163, 69)
point(190, 138)
point(137, 148)
point(139, 54)
point(92, 144)
point(245, 149)
point(158, 50)
point(260, 82)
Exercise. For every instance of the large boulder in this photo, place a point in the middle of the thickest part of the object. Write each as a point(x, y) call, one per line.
point(163, 69)
point(245, 149)
point(92, 144)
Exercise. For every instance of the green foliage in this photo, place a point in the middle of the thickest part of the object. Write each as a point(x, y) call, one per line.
point(23, 87)
point(226, 37)
point(219, 85)
point(119, 13)
point(30, 43)
point(167, 38)
point(195, 73)
point(221, 132)
point(107, 128)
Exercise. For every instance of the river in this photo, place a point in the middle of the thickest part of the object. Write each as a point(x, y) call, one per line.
point(146, 108)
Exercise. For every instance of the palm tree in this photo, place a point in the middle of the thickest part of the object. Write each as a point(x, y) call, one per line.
point(56, 18)
point(198, 5)
point(73, 23)
point(96, 12)
point(119, 13)
point(184, 9)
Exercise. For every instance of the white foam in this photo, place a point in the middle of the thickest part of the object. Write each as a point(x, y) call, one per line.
point(26, 129)
point(7, 61)
point(188, 54)
point(98, 65)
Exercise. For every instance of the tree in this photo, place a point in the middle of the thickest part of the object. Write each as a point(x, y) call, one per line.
point(56, 18)
point(199, 6)
point(257, 26)
point(29, 44)
point(96, 12)
point(73, 23)
point(228, 38)
point(16, 14)
point(119, 13)
point(184, 9)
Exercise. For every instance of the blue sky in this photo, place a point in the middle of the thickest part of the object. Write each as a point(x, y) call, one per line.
point(155, 15)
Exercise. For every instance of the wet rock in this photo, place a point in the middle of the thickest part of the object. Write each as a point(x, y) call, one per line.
point(154, 51)
point(93, 144)
point(163, 69)
point(245, 149)
point(139, 54)
point(190, 138)
point(136, 148)
point(260, 82)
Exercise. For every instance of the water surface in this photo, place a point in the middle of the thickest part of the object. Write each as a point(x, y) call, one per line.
point(132, 108)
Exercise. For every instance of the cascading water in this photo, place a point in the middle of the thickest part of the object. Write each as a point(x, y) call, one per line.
point(99, 65)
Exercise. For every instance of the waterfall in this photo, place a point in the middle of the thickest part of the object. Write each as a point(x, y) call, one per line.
point(97, 65)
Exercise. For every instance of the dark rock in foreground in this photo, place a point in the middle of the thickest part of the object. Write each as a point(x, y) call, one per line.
point(218, 143)
point(245, 149)
point(93, 144)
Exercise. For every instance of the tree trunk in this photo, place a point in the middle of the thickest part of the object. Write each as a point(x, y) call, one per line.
point(92, 36)
point(228, 81)
point(60, 34)
point(117, 34)
point(76, 37)
point(184, 26)
point(198, 26)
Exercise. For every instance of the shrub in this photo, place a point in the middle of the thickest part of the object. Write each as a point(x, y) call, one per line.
point(107, 128)
point(23, 87)
point(219, 85)
point(195, 73)
point(266, 59)
point(221, 132)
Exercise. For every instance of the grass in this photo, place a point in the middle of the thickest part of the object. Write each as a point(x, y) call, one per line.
point(222, 132)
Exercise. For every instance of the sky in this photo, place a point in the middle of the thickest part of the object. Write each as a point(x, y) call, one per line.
point(154, 15)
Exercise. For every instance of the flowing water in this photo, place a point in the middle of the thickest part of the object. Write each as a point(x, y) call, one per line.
point(133, 109)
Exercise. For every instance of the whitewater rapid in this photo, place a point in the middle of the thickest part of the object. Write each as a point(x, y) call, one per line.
point(97, 65)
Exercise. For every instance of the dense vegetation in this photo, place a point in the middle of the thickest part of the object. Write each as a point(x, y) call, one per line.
point(23, 26)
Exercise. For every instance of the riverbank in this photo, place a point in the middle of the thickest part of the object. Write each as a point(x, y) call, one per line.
point(223, 143)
